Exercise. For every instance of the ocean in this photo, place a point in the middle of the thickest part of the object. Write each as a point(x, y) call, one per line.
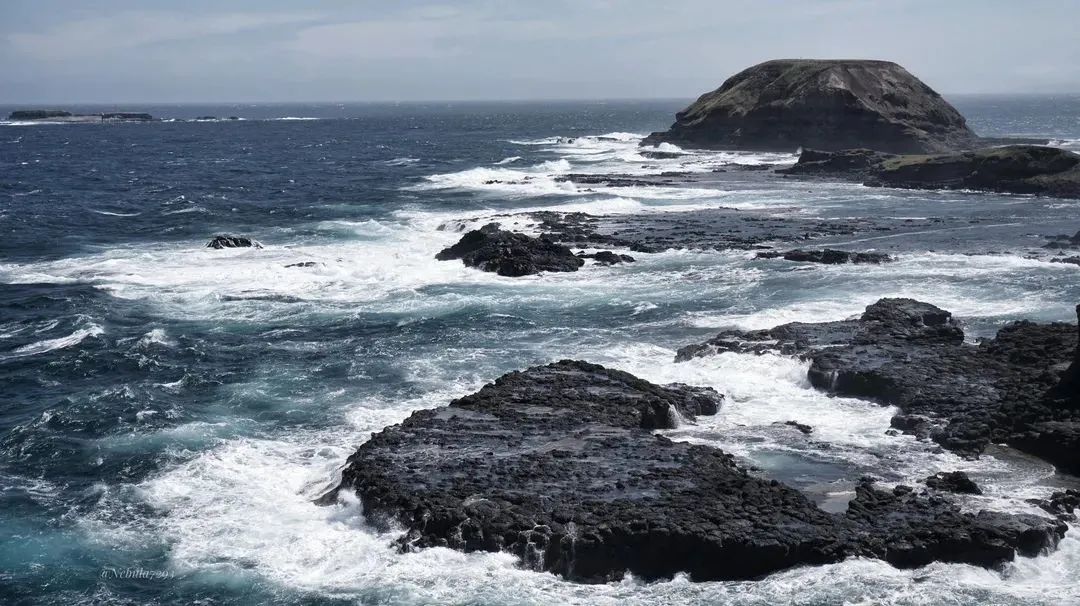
point(170, 411)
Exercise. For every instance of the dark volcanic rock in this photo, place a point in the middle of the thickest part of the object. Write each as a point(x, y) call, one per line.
point(510, 254)
point(606, 257)
point(557, 464)
point(1022, 169)
point(887, 319)
point(823, 104)
point(226, 241)
point(911, 529)
point(1017, 388)
point(1061, 504)
point(953, 481)
point(827, 256)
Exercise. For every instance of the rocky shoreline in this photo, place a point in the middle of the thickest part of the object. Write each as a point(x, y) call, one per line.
point(560, 465)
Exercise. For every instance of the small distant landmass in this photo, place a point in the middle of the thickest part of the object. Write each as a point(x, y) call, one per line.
point(65, 117)
point(56, 115)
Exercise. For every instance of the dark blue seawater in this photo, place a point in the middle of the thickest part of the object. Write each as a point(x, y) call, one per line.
point(168, 411)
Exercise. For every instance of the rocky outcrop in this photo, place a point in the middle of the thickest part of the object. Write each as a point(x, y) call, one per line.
point(1021, 169)
point(953, 481)
point(510, 254)
point(1018, 388)
point(606, 257)
point(827, 256)
point(559, 465)
point(227, 241)
point(786, 104)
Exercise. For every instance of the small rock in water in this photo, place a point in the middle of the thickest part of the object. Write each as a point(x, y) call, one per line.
point(606, 257)
point(806, 429)
point(225, 241)
point(827, 256)
point(510, 254)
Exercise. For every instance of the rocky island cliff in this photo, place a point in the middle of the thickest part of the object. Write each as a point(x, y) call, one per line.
point(786, 104)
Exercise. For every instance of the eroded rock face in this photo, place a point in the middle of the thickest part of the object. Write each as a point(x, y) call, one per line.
point(558, 465)
point(1017, 388)
point(786, 104)
point(226, 241)
point(510, 254)
point(827, 256)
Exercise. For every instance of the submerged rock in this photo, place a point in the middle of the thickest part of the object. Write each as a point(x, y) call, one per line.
point(1018, 388)
point(226, 241)
point(827, 256)
point(786, 104)
point(953, 481)
point(558, 464)
point(510, 254)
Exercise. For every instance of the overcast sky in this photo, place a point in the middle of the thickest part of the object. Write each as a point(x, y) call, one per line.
point(54, 51)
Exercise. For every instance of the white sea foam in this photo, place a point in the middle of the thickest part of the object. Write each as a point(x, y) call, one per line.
point(47, 345)
point(403, 161)
point(112, 214)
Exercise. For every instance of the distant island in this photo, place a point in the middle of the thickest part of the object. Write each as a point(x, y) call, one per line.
point(55, 115)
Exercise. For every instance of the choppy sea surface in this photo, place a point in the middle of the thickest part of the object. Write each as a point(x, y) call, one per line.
point(168, 412)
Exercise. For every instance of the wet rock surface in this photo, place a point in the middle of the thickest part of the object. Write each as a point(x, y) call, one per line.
point(827, 256)
point(606, 257)
point(226, 241)
point(1017, 388)
point(559, 465)
point(510, 254)
point(953, 481)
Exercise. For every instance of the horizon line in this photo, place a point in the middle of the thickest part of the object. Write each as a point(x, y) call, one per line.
point(466, 100)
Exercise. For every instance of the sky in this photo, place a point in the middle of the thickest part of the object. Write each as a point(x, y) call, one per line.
point(107, 51)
